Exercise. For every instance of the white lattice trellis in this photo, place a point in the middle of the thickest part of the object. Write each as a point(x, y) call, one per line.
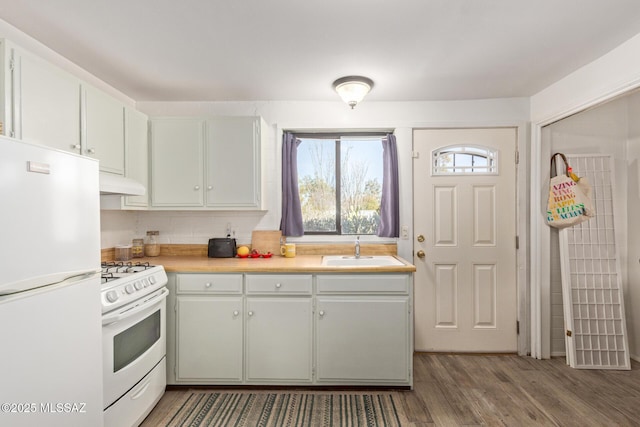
point(591, 281)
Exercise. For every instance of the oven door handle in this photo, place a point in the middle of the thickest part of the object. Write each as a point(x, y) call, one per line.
point(148, 302)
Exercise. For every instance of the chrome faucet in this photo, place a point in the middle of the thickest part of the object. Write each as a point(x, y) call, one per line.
point(357, 247)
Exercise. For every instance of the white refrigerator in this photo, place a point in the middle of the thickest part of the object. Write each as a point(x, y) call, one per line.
point(50, 313)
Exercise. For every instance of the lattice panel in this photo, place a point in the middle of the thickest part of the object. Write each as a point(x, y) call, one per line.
point(591, 280)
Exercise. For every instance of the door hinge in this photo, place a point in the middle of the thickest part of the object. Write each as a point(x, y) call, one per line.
point(517, 242)
point(415, 154)
point(517, 157)
point(517, 327)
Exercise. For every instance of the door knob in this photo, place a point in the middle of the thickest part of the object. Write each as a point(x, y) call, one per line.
point(420, 238)
point(420, 254)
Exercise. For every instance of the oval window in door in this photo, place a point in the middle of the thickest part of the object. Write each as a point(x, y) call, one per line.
point(464, 160)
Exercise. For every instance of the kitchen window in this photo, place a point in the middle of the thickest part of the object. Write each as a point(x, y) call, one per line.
point(334, 184)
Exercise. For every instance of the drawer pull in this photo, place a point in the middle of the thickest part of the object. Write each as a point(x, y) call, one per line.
point(321, 313)
point(278, 285)
point(235, 313)
point(250, 313)
point(207, 285)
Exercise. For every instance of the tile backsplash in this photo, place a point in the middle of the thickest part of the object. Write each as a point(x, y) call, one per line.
point(188, 227)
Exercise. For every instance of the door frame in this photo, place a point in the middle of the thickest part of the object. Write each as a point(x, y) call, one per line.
point(540, 265)
point(522, 220)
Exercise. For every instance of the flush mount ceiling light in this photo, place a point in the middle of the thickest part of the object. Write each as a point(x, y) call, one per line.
point(352, 89)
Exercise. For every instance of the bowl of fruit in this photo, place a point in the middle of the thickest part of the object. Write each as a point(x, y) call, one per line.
point(242, 252)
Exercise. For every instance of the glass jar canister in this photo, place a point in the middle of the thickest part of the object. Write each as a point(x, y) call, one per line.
point(137, 248)
point(151, 246)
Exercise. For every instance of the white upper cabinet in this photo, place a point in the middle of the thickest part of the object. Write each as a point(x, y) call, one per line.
point(136, 143)
point(45, 102)
point(233, 162)
point(177, 162)
point(104, 130)
point(206, 163)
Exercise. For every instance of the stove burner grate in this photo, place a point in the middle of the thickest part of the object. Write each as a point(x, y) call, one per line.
point(113, 270)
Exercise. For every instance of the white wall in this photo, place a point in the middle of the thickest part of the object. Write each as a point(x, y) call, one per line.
point(616, 72)
point(612, 74)
point(197, 227)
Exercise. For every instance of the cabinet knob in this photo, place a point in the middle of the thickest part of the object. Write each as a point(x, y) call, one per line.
point(321, 313)
point(197, 187)
point(250, 313)
point(207, 285)
point(76, 146)
point(210, 187)
point(235, 313)
point(278, 285)
point(91, 151)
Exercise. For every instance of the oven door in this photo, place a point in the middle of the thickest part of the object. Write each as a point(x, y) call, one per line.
point(133, 342)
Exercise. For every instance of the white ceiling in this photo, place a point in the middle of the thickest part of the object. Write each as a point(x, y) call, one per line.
point(222, 50)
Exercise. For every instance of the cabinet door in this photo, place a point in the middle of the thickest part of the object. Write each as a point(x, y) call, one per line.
point(362, 338)
point(177, 147)
point(279, 340)
point(233, 162)
point(209, 338)
point(104, 130)
point(47, 109)
point(136, 154)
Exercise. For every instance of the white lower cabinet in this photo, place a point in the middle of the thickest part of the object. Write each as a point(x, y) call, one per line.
point(296, 329)
point(362, 339)
point(278, 339)
point(209, 338)
point(208, 328)
point(364, 329)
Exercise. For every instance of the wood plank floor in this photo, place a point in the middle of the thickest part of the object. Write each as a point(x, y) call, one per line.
point(473, 390)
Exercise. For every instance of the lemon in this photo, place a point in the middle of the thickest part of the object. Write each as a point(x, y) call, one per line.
point(243, 250)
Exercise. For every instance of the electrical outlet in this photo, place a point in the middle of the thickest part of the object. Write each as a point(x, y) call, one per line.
point(405, 232)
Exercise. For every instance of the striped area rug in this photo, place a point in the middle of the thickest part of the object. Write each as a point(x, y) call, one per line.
point(286, 409)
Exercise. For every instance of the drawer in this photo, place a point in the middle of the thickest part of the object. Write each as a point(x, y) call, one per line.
point(362, 283)
point(297, 284)
point(209, 283)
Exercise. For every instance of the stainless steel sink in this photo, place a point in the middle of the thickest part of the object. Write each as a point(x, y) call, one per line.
point(368, 261)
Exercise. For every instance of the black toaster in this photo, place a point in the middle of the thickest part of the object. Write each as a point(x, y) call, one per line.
point(223, 247)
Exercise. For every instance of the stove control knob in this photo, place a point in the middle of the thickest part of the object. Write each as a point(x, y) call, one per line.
point(152, 280)
point(145, 282)
point(138, 285)
point(129, 289)
point(112, 296)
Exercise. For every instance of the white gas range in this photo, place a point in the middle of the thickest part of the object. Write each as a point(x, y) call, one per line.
point(133, 297)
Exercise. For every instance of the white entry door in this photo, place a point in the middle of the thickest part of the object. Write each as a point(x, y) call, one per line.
point(465, 240)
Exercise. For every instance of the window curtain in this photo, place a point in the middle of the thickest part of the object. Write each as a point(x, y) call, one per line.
point(291, 222)
point(390, 200)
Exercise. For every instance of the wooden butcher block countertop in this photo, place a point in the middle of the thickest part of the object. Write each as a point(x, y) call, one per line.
point(193, 259)
point(275, 264)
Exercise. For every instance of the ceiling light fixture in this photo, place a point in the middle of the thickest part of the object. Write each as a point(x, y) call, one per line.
point(352, 89)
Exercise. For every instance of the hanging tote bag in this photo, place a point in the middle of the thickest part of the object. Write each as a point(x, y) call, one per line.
point(570, 200)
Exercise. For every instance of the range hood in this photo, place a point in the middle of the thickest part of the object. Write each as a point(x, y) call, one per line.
point(119, 185)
